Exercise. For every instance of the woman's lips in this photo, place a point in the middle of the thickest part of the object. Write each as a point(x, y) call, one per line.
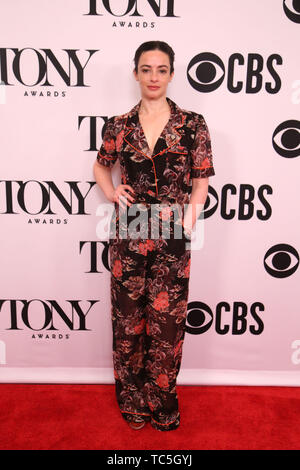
point(153, 87)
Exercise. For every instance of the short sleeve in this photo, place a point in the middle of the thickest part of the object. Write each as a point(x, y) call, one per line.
point(107, 154)
point(201, 152)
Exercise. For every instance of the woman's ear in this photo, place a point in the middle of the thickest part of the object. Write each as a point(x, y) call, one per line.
point(135, 75)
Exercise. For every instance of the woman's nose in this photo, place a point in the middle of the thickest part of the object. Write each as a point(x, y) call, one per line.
point(154, 77)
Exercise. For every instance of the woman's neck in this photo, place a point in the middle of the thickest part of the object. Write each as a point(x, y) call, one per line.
point(154, 106)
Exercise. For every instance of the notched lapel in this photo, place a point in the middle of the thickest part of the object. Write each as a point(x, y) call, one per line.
point(133, 133)
point(169, 138)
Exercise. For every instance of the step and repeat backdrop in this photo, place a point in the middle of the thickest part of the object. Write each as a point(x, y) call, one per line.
point(65, 68)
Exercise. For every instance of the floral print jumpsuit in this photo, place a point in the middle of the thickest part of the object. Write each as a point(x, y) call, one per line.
point(150, 276)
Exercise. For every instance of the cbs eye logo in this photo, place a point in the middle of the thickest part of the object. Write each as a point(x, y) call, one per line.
point(283, 260)
point(201, 77)
point(286, 139)
point(199, 318)
point(292, 10)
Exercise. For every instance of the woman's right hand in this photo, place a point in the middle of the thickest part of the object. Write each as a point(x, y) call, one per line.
point(121, 196)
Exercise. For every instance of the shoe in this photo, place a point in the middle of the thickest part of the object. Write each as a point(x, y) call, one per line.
point(138, 423)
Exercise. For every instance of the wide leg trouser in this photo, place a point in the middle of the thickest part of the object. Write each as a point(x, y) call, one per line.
point(149, 293)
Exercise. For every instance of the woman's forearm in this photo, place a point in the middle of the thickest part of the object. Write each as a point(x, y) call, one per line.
point(103, 178)
point(196, 203)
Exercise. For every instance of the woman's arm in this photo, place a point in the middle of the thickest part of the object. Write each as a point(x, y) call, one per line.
point(119, 194)
point(103, 178)
point(196, 203)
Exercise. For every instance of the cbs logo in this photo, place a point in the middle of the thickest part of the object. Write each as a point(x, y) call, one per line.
point(206, 72)
point(242, 202)
point(236, 319)
point(286, 139)
point(281, 260)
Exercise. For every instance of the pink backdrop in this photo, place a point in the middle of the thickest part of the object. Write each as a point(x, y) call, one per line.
point(67, 66)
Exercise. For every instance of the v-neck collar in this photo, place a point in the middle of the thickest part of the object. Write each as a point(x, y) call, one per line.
point(167, 138)
point(162, 132)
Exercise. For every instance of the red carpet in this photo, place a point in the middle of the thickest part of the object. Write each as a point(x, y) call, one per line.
point(83, 417)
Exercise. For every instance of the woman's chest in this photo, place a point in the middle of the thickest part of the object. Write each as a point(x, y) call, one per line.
point(152, 128)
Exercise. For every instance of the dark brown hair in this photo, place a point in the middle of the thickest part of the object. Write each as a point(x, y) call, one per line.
point(151, 46)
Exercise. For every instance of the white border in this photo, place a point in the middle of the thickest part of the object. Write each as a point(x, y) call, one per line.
point(186, 376)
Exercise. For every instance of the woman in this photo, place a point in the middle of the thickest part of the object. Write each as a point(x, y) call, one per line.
point(165, 159)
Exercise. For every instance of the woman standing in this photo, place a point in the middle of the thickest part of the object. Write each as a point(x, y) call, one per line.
point(165, 159)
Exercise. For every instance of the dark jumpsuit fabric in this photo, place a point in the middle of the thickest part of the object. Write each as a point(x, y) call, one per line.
point(150, 275)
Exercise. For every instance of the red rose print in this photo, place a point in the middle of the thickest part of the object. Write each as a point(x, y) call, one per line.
point(143, 248)
point(162, 381)
point(119, 141)
point(205, 163)
point(151, 406)
point(109, 145)
point(140, 326)
point(162, 301)
point(187, 269)
point(150, 245)
point(117, 268)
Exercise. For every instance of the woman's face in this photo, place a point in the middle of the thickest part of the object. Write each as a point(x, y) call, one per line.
point(153, 74)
